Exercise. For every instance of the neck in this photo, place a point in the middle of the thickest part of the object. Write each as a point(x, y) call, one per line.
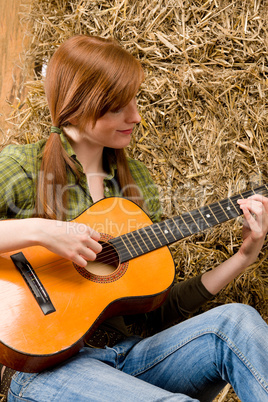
point(89, 155)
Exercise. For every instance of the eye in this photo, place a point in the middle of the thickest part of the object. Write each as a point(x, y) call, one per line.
point(117, 111)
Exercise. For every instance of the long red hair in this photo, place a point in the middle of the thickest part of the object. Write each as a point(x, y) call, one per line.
point(86, 77)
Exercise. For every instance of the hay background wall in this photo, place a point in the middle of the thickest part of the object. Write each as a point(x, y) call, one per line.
point(203, 104)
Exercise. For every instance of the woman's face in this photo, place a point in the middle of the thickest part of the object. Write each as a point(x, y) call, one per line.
point(113, 129)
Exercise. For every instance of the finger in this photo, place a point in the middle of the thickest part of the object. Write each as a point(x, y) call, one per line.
point(94, 235)
point(94, 245)
point(86, 254)
point(254, 206)
point(254, 222)
point(80, 260)
point(81, 229)
point(262, 199)
point(256, 197)
point(251, 221)
point(91, 238)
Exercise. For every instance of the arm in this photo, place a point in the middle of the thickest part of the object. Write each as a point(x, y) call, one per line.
point(70, 240)
point(255, 228)
point(187, 296)
point(74, 241)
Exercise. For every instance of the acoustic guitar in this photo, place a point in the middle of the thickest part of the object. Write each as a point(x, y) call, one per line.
point(49, 307)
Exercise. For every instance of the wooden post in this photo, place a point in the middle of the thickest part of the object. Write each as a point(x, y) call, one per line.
point(12, 42)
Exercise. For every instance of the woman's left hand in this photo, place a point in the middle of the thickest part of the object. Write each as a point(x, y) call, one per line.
point(255, 228)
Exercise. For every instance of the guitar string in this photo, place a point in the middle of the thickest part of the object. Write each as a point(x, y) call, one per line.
point(159, 232)
point(190, 221)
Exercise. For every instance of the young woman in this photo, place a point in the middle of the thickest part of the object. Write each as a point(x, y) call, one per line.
point(91, 86)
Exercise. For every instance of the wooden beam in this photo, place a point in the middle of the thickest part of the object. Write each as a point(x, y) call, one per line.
point(12, 42)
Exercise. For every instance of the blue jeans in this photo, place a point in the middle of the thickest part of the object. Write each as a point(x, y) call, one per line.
point(188, 362)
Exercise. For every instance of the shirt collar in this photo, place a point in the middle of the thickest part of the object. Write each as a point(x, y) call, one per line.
point(110, 163)
point(67, 146)
point(109, 156)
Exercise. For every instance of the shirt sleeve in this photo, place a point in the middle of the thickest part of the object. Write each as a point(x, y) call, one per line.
point(16, 188)
point(183, 299)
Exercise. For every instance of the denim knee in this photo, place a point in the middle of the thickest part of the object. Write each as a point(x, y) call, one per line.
point(238, 311)
point(236, 318)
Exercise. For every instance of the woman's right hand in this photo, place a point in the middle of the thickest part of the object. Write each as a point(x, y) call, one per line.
point(74, 241)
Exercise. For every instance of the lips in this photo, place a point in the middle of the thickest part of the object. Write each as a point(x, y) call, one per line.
point(127, 132)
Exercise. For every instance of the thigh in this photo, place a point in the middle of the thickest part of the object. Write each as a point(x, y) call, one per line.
point(84, 378)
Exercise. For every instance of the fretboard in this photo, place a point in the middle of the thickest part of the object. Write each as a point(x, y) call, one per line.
point(157, 235)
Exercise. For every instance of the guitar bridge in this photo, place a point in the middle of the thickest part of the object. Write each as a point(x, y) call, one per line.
point(33, 282)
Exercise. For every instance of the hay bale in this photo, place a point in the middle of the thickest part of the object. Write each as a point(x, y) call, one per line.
point(203, 104)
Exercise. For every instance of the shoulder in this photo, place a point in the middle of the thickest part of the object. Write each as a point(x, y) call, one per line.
point(23, 155)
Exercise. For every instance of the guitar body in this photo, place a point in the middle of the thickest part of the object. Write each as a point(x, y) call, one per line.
point(31, 341)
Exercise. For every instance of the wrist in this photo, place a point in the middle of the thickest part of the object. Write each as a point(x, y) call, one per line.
point(34, 229)
point(247, 258)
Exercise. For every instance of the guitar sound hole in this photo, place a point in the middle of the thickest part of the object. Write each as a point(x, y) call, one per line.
point(106, 263)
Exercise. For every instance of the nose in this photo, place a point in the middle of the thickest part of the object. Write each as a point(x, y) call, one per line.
point(132, 114)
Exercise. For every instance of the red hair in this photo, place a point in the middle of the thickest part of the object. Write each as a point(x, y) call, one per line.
point(86, 77)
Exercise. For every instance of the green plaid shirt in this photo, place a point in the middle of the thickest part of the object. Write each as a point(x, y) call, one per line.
point(20, 166)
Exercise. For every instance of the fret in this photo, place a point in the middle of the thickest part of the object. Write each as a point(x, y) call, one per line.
point(211, 210)
point(170, 237)
point(219, 212)
point(174, 229)
point(233, 201)
point(158, 234)
point(122, 245)
point(143, 244)
point(146, 236)
point(196, 221)
point(130, 247)
point(156, 228)
point(161, 234)
point(121, 249)
point(188, 224)
point(230, 208)
point(263, 190)
point(260, 190)
point(200, 220)
point(209, 216)
point(153, 237)
point(245, 195)
point(183, 229)
point(138, 244)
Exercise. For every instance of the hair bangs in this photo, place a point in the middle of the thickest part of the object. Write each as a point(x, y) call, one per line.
point(126, 87)
point(121, 81)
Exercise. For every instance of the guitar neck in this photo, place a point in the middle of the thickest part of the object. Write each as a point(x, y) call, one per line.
point(157, 235)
